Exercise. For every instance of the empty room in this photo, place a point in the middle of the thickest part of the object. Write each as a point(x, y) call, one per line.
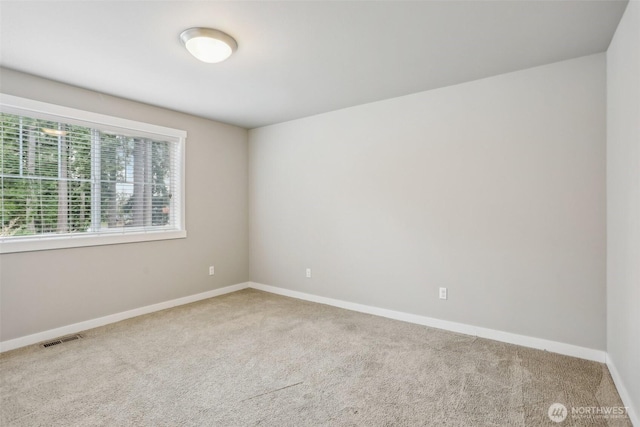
point(320, 213)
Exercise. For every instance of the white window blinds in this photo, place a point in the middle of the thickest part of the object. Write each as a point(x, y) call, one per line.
point(70, 177)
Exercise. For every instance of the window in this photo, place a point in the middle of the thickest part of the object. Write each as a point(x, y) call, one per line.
point(72, 178)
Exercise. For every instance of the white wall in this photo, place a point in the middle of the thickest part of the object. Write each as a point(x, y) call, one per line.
point(44, 290)
point(623, 206)
point(493, 188)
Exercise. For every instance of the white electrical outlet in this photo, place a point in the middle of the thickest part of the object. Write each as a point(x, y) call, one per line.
point(443, 293)
point(308, 273)
point(212, 270)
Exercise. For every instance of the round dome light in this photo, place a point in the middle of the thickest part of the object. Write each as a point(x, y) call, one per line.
point(208, 45)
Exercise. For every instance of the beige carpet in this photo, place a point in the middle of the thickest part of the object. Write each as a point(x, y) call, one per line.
point(255, 359)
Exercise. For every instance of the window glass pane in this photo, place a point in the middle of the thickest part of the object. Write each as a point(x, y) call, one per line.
point(58, 178)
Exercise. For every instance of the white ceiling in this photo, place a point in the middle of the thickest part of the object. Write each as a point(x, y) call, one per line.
point(295, 58)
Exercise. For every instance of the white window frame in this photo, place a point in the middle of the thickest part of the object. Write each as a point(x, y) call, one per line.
point(22, 106)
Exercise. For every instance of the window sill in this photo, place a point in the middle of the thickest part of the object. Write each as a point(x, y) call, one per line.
point(83, 240)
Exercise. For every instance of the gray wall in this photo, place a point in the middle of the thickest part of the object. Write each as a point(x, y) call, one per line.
point(493, 188)
point(623, 202)
point(49, 289)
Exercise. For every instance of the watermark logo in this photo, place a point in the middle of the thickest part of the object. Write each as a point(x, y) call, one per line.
point(557, 412)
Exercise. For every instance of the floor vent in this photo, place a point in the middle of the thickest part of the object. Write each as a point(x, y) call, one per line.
point(61, 340)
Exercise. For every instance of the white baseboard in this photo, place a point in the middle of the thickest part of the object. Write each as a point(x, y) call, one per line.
point(112, 318)
point(556, 347)
point(508, 337)
point(632, 411)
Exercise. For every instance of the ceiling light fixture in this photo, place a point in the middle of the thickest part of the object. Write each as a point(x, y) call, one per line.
point(208, 45)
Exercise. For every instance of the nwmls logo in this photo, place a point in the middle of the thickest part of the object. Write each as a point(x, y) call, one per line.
point(557, 412)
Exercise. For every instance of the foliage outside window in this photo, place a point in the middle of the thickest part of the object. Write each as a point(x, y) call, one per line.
point(66, 177)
